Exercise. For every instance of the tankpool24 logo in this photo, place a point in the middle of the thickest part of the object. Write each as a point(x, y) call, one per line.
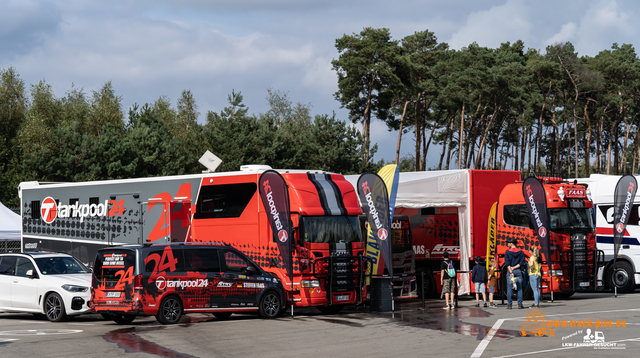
point(50, 209)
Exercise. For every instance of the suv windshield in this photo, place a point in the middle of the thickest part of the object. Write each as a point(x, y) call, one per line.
point(60, 266)
point(570, 218)
point(331, 229)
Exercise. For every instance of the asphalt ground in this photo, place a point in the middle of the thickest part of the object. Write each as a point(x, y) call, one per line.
point(409, 331)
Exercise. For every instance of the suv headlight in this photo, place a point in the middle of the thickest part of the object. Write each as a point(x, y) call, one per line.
point(74, 288)
point(310, 283)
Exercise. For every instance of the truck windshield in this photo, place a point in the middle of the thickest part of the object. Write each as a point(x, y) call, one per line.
point(331, 229)
point(400, 236)
point(570, 218)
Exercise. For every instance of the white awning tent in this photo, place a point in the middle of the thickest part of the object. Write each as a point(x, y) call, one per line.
point(442, 188)
point(9, 224)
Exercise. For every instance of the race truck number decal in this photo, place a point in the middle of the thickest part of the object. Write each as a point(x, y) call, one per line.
point(126, 278)
point(163, 227)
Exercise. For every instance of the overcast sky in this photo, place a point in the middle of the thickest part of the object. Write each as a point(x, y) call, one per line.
point(159, 48)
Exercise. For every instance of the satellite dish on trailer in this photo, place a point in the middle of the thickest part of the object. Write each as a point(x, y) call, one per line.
point(210, 161)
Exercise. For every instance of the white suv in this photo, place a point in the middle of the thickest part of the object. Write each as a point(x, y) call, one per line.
point(53, 284)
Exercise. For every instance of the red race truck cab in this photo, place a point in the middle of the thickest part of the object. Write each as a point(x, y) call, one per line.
point(328, 262)
point(572, 240)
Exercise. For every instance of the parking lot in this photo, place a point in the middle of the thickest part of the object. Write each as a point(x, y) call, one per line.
point(408, 331)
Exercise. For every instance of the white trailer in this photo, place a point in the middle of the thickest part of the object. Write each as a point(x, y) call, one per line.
point(627, 274)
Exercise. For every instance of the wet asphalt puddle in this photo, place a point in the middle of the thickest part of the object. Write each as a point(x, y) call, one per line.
point(129, 340)
point(454, 321)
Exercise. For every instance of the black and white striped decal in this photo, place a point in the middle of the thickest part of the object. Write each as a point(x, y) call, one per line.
point(329, 193)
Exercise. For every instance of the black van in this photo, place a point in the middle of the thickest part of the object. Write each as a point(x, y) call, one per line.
point(169, 280)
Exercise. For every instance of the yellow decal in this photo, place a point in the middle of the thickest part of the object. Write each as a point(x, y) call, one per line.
point(491, 234)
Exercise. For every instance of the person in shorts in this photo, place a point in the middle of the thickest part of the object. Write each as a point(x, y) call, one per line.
point(448, 283)
point(493, 281)
point(479, 277)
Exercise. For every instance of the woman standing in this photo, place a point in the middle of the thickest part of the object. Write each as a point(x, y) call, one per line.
point(534, 276)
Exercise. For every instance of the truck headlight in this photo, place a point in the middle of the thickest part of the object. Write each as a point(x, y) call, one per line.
point(310, 283)
point(74, 288)
point(557, 272)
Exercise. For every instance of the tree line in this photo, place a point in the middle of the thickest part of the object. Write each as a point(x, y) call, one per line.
point(502, 108)
point(478, 107)
point(86, 136)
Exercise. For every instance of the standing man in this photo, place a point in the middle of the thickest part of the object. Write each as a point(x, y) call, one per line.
point(448, 281)
point(514, 261)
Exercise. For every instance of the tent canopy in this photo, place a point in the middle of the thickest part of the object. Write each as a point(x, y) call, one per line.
point(9, 224)
point(441, 188)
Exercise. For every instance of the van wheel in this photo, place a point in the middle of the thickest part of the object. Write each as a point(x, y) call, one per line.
point(622, 277)
point(54, 308)
point(270, 305)
point(170, 310)
point(121, 318)
point(222, 315)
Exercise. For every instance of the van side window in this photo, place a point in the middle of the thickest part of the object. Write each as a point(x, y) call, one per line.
point(224, 201)
point(7, 265)
point(159, 260)
point(517, 215)
point(235, 262)
point(206, 260)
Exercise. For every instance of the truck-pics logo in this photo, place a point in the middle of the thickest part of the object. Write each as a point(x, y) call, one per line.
point(50, 210)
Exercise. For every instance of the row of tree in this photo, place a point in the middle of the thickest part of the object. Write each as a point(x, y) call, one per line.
point(82, 137)
point(503, 108)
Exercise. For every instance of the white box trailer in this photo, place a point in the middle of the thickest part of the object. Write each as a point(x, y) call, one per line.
point(627, 276)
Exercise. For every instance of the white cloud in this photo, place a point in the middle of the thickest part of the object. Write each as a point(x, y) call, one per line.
point(567, 33)
point(492, 27)
point(604, 23)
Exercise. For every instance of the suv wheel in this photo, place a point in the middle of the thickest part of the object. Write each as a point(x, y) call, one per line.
point(54, 308)
point(170, 310)
point(270, 305)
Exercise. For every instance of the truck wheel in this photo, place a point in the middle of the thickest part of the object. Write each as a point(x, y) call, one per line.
point(54, 308)
point(270, 305)
point(622, 277)
point(170, 310)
